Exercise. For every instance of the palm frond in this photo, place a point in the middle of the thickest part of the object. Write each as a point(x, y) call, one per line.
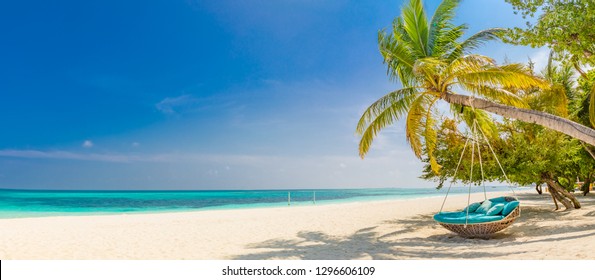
point(550, 69)
point(381, 114)
point(397, 56)
point(415, 24)
point(398, 97)
point(431, 136)
point(495, 93)
point(446, 41)
point(484, 122)
point(467, 64)
point(429, 68)
point(565, 78)
point(507, 76)
point(476, 40)
point(440, 24)
point(471, 115)
point(414, 125)
point(553, 100)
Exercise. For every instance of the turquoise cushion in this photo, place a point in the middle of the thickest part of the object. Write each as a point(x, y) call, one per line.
point(498, 200)
point(502, 199)
point(485, 206)
point(472, 207)
point(509, 207)
point(496, 209)
point(460, 218)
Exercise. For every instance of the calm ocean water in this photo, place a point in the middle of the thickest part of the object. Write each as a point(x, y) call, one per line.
point(37, 203)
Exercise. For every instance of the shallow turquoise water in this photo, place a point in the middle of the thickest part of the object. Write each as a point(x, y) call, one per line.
point(37, 203)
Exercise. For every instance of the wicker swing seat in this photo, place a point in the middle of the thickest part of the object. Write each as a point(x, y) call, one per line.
point(480, 219)
point(477, 225)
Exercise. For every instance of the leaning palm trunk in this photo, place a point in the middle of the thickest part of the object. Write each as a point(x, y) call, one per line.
point(550, 121)
point(562, 195)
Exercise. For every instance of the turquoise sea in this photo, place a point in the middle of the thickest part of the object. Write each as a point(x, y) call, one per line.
point(39, 203)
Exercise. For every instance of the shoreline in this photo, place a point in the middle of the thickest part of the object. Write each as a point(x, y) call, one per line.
point(394, 229)
point(208, 209)
point(250, 206)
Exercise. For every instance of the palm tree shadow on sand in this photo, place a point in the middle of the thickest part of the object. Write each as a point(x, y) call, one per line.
point(365, 243)
point(421, 238)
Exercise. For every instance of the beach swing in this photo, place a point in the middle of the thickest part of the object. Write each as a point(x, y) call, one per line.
point(480, 219)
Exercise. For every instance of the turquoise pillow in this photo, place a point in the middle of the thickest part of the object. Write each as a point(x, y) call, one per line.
point(509, 207)
point(498, 200)
point(472, 207)
point(495, 210)
point(485, 206)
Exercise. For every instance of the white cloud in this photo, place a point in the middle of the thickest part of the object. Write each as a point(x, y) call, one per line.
point(187, 103)
point(171, 105)
point(308, 169)
point(122, 157)
point(35, 154)
point(394, 169)
point(87, 144)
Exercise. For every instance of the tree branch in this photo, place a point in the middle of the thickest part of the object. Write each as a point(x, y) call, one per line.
point(588, 149)
point(578, 68)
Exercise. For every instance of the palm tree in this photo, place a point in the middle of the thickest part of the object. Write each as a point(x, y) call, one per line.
point(432, 65)
point(555, 99)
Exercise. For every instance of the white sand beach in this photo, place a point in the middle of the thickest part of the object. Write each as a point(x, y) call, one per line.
point(397, 229)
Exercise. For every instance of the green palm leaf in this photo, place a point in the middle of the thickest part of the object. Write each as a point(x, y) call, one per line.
point(381, 114)
point(508, 76)
point(397, 55)
point(469, 116)
point(431, 136)
point(553, 100)
point(401, 97)
point(497, 94)
point(414, 125)
point(415, 24)
point(440, 25)
point(447, 41)
point(468, 63)
point(476, 40)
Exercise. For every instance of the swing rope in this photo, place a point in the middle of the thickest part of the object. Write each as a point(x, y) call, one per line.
point(483, 183)
point(498, 161)
point(470, 173)
point(475, 142)
point(455, 175)
point(476, 228)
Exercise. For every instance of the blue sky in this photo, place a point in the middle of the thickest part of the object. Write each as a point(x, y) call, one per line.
point(184, 94)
